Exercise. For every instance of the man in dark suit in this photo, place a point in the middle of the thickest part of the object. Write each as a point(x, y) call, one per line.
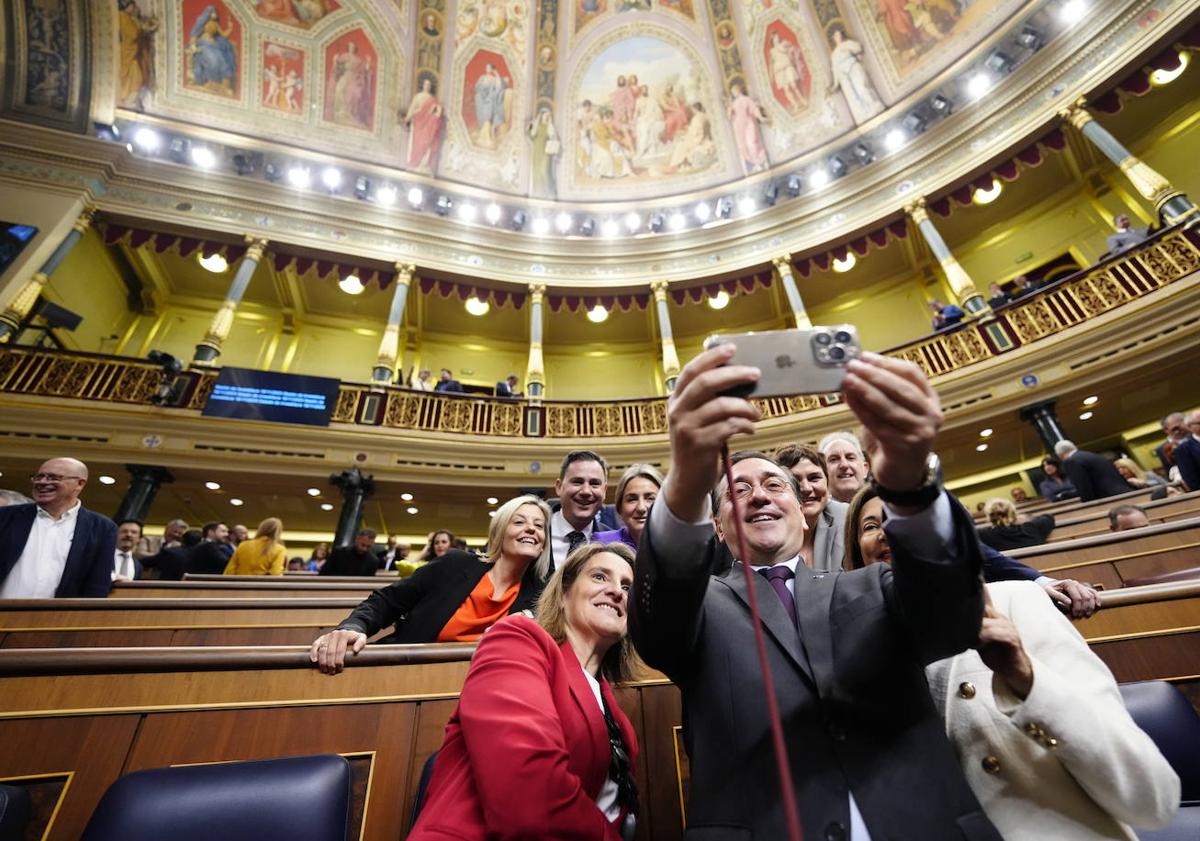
point(208, 557)
point(847, 650)
point(1187, 453)
point(53, 547)
point(447, 383)
point(170, 562)
point(355, 559)
point(1176, 430)
point(126, 566)
point(508, 387)
point(581, 486)
point(1094, 476)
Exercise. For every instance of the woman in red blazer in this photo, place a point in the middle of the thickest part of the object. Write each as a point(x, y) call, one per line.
point(538, 747)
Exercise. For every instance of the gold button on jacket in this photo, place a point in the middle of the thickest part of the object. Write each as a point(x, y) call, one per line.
point(966, 689)
point(991, 764)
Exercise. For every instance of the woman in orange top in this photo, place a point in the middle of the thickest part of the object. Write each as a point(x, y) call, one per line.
point(460, 596)
point(263, 554)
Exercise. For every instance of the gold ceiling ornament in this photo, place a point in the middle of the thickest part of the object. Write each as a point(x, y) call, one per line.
point(916, 211)
point(255, 247)
point(404, 273)
point(659, 288)
point(1151, 185)
point(1076, 114)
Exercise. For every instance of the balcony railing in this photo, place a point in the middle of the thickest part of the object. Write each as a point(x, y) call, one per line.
point(1169, 257)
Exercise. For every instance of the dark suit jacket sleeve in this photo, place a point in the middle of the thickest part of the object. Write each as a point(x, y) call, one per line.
point(515, 739)
point(388, 605)
point(1187, 458)
point(1081, 478)
point(999, 567)
point(940, 603)
point(97, 581)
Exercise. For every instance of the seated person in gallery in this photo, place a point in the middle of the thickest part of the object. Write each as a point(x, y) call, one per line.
point(507, 387)
point(945, 315)
point(447, 383)
point(1056, 486)
point(997, 297)
point(457, 598)
point(1126, 236)
point(1008, 530)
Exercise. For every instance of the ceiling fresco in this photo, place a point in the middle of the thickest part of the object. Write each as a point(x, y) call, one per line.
point(583, 100)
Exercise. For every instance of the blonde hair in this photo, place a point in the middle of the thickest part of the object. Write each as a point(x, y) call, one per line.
point(620, 663)
point(500, 523)
point(1000, 512)
point(271, 529)
point(1130, 465)
point(637, 471)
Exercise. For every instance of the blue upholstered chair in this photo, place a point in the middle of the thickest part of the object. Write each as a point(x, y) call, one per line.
point(1168, 718)
point(15, 811)
point(302, 798)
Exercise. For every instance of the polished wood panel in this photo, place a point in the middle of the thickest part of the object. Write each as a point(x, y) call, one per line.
point(1095, 521)
point(1152, 658)
point(138, 638)
point(172, 613)
point(264, 587)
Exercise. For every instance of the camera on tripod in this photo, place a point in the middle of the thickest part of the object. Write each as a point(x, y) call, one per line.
point(170, 385)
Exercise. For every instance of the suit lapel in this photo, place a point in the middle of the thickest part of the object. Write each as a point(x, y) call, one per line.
point(73, 569)
point(814, 594)
point(774, 617)
point(16, 535)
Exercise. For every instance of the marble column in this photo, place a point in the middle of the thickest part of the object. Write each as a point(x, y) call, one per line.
point(1170, 203)
point(210, 347)
point(143, 487)
point(535, 372)
point(389, 345)
point(670, 359)
point(355, 489)
point(964, 288)
point(18, 308)
point(1045, 420)
point(783, 267)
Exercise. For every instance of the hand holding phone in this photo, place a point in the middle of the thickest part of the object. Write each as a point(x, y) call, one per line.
point(811, 361)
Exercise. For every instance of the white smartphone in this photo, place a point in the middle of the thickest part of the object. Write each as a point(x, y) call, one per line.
point(809, 361)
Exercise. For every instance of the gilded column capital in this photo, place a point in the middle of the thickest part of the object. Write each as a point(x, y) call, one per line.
point(537, 291)
point(917, 212)
point(1148, 182)
point(404, 273)
point(1076, 114)
point(255, 246)
point(783, 264)
point(85, 219)
point(659, 288)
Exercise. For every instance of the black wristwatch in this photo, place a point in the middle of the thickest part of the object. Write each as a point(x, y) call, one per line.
point(920, 497)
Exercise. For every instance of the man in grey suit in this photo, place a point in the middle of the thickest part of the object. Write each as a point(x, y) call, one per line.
point(1091, 473)
point(868, 753)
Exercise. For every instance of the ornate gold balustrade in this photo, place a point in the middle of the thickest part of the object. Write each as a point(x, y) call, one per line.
point(1169, 257)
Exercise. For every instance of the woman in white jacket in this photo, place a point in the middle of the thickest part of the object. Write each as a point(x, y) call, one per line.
point(1035, 717)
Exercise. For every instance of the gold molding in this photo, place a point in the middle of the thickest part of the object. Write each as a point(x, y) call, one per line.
point(62, 795)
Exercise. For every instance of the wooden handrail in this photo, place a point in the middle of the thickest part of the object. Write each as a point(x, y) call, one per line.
point(274, 582)
point(1108, 538)
point(9, 605)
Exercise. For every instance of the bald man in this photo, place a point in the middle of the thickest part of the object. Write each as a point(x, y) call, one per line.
point(53, 547)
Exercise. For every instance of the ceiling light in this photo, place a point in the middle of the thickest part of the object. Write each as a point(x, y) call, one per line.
point(894, 140)
point(794, 185)
point(491, 500)
point(147, 139)
point(818, 179)
point(610, 228)
point(540, 226)
point(386, 196)
point(845, 265)
point(981, 196)
point(466, 212)
point(351, 285)
point(942, 105)
point(475, 306)
point(837, 166)
point(215, 262)
point(563, 222)
point(719, 301)
point(1072, 11)
point(746, 204)
point(331, 177)
point(443, 204)
point(703, 211)
point(203, 157)
point(597, 314)
point(677, 221)
point(362, 187)
point(234, 501)
point(491, 513)
point(314, 491)
point(299, 177)
point(986, 433)
point(771, 193)
point(271, 172)
point(213, 486)
point(492, 213)
point(724, 207)
point(415, 196)
point(1166, 77)
point(107, 480)
point(1087, 416)
point(978, 85)
point(518, 219)
point(981, 448)
point(864, 154)
point(326, 506)
point(632, 221)
point(1030, 39)
point(587, 226)
point(407, 497)
point(177, 149)
point(244, 163)
point(1091, 401)
point(412, 509)
point(999, 62)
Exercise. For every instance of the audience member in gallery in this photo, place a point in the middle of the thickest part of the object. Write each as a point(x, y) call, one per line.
point(1135, 476)
point(447, 383)
point(1127, 518)
point(1035, 717)
point(423, 381)
point(1174, 426)
point(1018, 494)
point(946, 315)
point(580, 487)
point(295, 564)
point(824, 518)
point(538, 746)
point(320, 553)
point(635, 494)
point(393, 553)
point(53, 547)
point(457, 598)
point(172, 536)
point(170, 562)
point(1009, 530)
point(1023, 286)
point(507, 387)
point(263, 554)
point(845, 464)
point(997, 296)
point(1187, 453)
point(208, 557)
point(126, 566)
point(1126, 236)
point(440, 542)
point(1093, 474)
point(354, 559)
point(1055, 487)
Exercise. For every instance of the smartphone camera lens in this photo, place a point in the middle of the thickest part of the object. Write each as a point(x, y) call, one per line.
point(823, 339)
point(842, 337)
point(837, 353)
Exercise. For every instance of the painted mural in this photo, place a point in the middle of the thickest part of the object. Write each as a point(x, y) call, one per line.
point(302, 13)
point(850, 77)
point(48, 55)
point(282, 78)
point(212, 48)
point(136, 26)
point(350, 75)
point(487, 99)
point(425, 120)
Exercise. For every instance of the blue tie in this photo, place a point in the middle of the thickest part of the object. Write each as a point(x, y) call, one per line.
point(778, 576)
point(574, 540)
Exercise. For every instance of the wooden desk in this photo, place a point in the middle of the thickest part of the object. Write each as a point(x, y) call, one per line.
point(263, 587)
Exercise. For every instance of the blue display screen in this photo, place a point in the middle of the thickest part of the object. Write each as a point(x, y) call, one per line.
point(269, 396)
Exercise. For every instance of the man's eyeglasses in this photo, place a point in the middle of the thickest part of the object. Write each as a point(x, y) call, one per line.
point(774, 486)
point(50, 477)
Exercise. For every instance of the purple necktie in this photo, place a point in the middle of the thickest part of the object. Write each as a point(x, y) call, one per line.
point(778, 576)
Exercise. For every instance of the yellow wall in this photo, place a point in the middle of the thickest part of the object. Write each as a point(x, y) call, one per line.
point(602, 372)
point(473, 360)
point(888, 314)
point(89, 283)
point(52, 213)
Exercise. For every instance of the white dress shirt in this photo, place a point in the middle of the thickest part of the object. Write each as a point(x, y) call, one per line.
point(123, 565)
point(37, 573)
point(422, 385)
point(559, 529)
point(606, 800)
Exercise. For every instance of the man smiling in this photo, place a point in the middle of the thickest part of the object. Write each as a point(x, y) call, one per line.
point(53, 547)
point(581, 485)
point(847, 466)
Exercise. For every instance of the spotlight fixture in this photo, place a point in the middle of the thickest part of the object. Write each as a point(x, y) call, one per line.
point(746, 204)
point(794, 185)
point(719, 301)
point(837, 166)
point(819, 178)
point(596, 315)
point(466, 212)
point(981, 448)
point(1000, 63)
point(677, 221)
point(1091, 401)
point(203, 157)
point(443, 205)
point(147, 139)
point(492, 213)
point(213, 486)
point(656, 223)
point(518, 219)
point(632, 221)
point(299, 177)
point(562, 222)
point(1087, 415)
point(770, 194)
point(107, 480)
point(1030, 39)
point(476, 306)
point(106, 131)
point(703, 211)
point(1160, 77)
point(313, 491)
point(845, 264)
point(215, 262)
point(415, 196)
point(491, 500)
point(986, 433)
point(724, 207)
point(362, 187)
point(863, 153)
point(235, 502)
point(411, 509)
point(386, 195)
point(1072, 11)
point(941, 105)
point(913, 123)
point(243, 163)
point(989, 195)
point(540, 226)
point(331, 177)
point(978, 85)
point(272, 173)
point(894, 140)
point(610, 228)
point(406, 497)
point(326, 506)
point(587, 227)
point(177, 149)
point(351, 285)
